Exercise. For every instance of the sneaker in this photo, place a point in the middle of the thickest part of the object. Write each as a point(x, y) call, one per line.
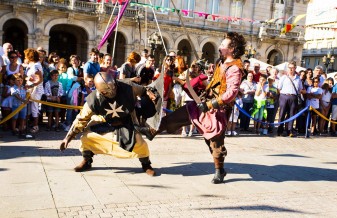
point(235, 133)
point(190, 134)
point(34, 129)
point(265, 131)
point(183, 134)
point(229, 133)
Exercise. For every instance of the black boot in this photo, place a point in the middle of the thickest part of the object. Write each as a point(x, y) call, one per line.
point(86, 162)
point(220, 172)
point(146, 165)
point(219, 176)
point(149, 132)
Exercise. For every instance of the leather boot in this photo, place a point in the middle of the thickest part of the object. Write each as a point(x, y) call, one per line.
point(86, 162)
point(149, 132)
point(220, 172)
point(146, 165)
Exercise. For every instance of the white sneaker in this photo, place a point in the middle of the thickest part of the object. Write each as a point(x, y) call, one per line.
point(235, 133)
point(190, 134)
point(183, 134)
point(229, 133)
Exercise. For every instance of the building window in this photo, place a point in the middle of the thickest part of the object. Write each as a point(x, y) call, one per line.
point(236, 10)
point(279, 9)
point(162, 3)
point(213, 6)
point(317, 61)
point(188, 5)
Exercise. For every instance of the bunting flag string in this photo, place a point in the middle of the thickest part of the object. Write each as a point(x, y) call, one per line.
point(284, 27)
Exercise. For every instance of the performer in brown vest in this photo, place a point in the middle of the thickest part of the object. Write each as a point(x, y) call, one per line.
point(211, 115)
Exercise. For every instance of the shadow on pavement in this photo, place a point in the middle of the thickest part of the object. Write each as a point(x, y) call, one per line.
point(255, 208)
point(287, 155)
point(10, 152)
point(277, 173)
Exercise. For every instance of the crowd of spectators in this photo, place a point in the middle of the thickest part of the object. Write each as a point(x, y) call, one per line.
point(68, 80)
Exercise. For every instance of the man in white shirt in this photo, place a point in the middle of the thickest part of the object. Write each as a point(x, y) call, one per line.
point(7, 47)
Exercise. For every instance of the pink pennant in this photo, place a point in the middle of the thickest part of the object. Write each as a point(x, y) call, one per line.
point(185, 12)
point(215, 16)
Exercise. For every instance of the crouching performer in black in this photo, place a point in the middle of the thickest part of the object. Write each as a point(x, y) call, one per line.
point(107, 122)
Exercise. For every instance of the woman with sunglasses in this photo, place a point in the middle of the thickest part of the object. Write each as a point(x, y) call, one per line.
point(13, 67)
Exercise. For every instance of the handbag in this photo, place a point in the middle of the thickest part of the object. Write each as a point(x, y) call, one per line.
point(299, 98)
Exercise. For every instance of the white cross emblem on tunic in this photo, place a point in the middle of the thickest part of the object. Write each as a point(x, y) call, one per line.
point(113, 110)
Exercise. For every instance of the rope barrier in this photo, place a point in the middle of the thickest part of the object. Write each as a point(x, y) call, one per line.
point(321, 115)
point(285, 121)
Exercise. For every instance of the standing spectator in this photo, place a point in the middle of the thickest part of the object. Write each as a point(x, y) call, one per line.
point(7, 47)
point(259, 108)
point(74, 72)
point(7, 100)
point(54, 91)
point(272, 96)
point(53, 60)
point(318, 71)
point(256, 73)
point(246, 65)
point(92, 66)
point(45, 65)
point(34, 84)
point(128, 69)
point(87, 89)
point(302, 119)
point(146, 71)
point(289, 86)
point(334, 108)
point(144, 56)
point(66, 83)
point(325, 104)
point(274, 74)
point(248, 88)
point(235, 116)
point(107, 67)
point(13, 67)
point(19, 93)
point(180, 67)
point(314, 94)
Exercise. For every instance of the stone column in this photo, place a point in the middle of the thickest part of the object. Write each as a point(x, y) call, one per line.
point(1, 38)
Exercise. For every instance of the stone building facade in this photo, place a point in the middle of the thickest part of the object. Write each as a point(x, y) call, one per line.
point(74, 26)
point(321, 35)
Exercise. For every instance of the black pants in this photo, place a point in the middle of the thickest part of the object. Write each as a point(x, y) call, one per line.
point(244, 122)
point(288, 104)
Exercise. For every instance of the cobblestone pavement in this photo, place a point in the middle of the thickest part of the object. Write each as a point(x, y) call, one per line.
point(267, 176)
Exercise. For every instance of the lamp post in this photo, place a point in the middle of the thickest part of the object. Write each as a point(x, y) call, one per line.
point(327, 60)
point(250, 52)
point(154, 41)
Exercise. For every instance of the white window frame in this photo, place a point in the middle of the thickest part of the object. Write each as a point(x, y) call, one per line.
point(188, 5)
point(163, 4)
point(236, 10)
point(214, 6)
